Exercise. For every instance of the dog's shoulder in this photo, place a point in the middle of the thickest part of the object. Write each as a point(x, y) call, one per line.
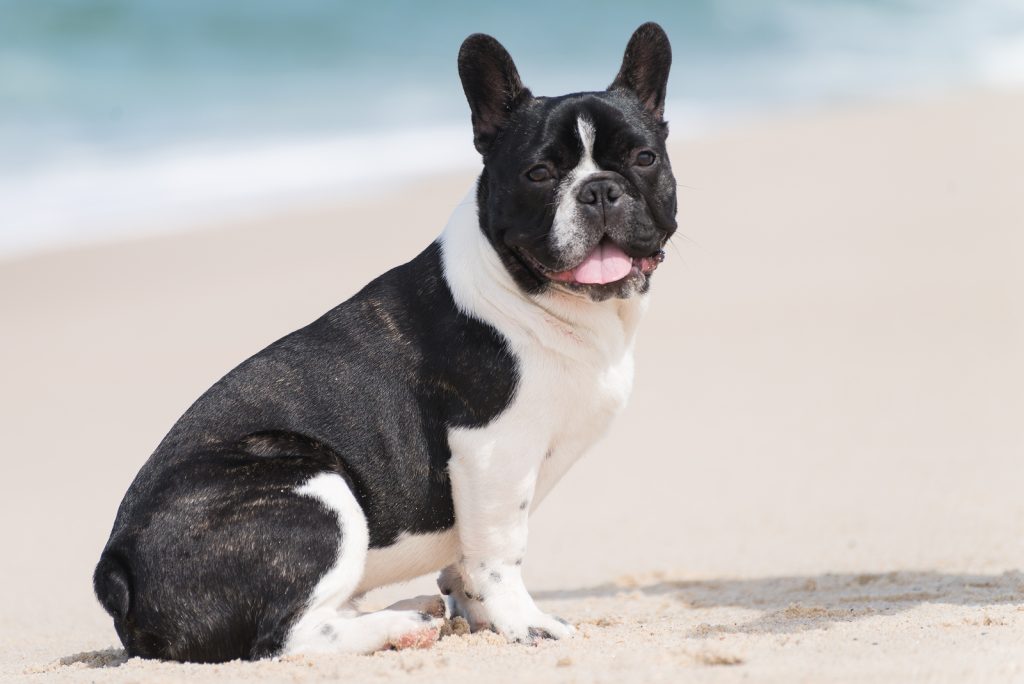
point(399, 344)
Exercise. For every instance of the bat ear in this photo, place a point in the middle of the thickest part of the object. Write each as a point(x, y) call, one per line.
point(645, 67)
point(492, 86)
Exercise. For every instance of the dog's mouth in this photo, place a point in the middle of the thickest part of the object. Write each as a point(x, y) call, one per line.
point(606, 264)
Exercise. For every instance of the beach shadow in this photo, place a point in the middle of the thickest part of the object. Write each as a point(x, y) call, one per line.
point(107, 658)
point(787, 604)
point(799, 603)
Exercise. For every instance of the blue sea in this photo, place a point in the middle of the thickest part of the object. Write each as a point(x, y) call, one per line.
point(119, 117)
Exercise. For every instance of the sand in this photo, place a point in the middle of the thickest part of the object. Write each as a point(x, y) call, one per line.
point(819, 477)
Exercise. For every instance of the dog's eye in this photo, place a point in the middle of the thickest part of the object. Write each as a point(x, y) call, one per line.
point(645, 158)
point(539, 173)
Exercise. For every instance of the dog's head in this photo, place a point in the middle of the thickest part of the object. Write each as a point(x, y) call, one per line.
point(577, 193)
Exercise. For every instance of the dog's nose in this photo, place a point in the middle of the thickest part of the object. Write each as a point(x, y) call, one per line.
point(599, 190)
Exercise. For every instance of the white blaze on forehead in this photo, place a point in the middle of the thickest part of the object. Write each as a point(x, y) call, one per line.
point(586, 130)
point(564, 230)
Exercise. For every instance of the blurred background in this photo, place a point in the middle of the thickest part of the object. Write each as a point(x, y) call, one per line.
point(121, 117)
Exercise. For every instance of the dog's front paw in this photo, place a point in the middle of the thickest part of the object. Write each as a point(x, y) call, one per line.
point(532, 627)
point(515, 616)
point(501, 604)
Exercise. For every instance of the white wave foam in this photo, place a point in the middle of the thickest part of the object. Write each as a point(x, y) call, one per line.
point(87, 197)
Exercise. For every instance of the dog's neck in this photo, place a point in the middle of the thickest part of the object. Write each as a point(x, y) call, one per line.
point(563, 322)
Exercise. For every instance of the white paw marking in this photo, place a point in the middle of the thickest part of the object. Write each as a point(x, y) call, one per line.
point(507, 610)
point(346, 632)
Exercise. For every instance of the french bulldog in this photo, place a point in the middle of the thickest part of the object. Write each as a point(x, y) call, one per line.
point(413, 428)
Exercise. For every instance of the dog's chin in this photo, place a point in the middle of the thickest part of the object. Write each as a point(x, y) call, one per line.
point(634, 284)
point(636, 280)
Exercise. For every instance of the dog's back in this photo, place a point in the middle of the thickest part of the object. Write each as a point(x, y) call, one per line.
point(213, 555)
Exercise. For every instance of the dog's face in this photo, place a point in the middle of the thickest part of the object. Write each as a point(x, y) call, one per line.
point(577, 194)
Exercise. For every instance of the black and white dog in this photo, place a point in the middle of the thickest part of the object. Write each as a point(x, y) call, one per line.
point(414, 427)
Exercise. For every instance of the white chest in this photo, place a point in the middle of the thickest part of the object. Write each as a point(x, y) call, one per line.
point(568, 404)
point(571, 384)
point(574, 358)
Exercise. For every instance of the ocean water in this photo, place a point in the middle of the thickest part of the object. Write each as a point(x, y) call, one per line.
point(120, 117)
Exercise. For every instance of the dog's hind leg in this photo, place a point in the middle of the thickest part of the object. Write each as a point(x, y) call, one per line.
point(330, 624)
point(346, 631)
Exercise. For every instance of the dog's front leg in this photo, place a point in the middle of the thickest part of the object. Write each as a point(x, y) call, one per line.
point(493, 487)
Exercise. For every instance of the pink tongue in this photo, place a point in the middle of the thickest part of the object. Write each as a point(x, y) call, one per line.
point(606, 264)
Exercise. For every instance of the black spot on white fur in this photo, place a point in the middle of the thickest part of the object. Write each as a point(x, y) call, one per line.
point(538, 633)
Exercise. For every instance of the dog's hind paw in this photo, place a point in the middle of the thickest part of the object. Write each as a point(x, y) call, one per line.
point(434, 606)
point(424, 637)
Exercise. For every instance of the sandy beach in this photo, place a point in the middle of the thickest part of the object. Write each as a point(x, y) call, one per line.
point(819, 476)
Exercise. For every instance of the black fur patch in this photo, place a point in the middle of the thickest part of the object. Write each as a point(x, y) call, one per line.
point(212, 555)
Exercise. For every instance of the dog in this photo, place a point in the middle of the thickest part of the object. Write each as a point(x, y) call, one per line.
point(413, 428)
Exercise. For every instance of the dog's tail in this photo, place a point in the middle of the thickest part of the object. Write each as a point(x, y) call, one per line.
point(112, 584)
